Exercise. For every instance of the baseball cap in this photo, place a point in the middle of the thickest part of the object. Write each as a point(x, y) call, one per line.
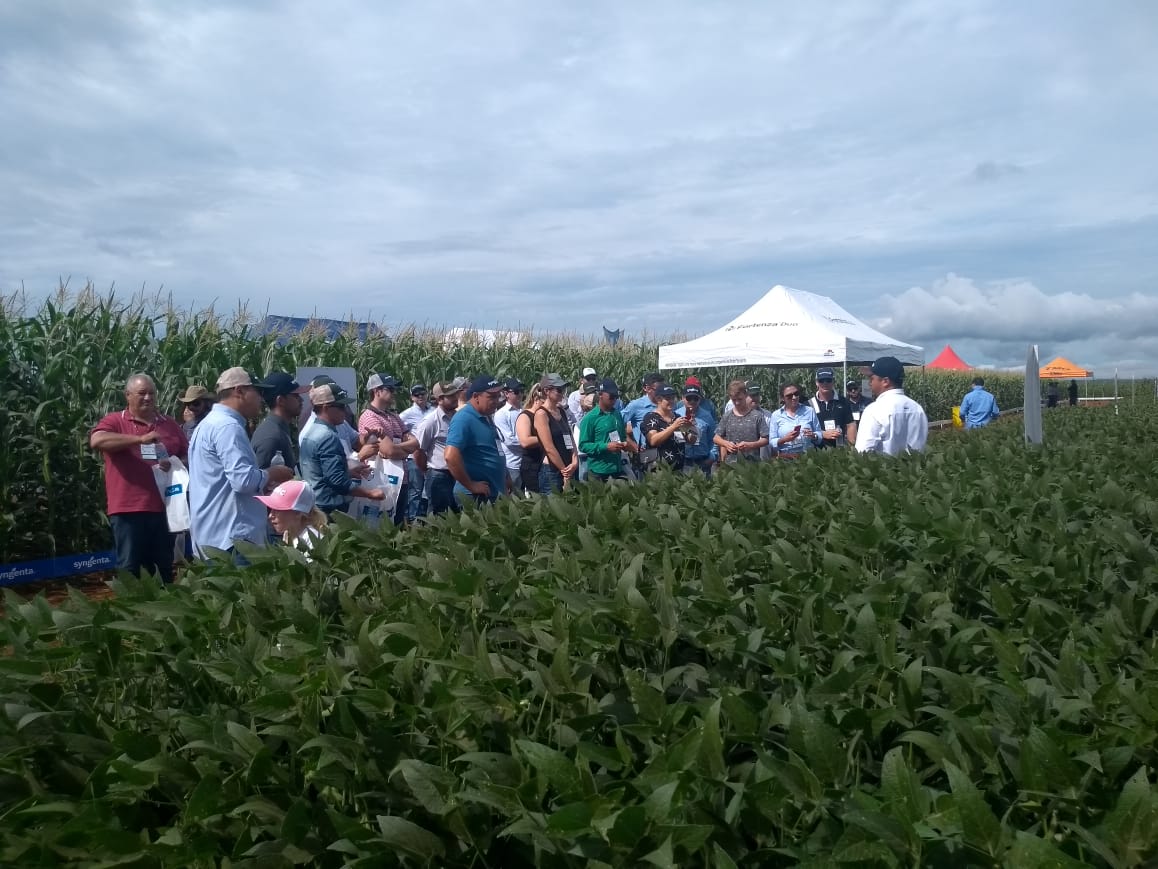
point(609, 386)
point(852, 384)
point(231, 378)
point(329, 393)
point(588, 372)
point(320, 379)
point(418, 389)
point(666, 390)
point(381, 381)
point(459, 383)
point(483, 383)
point(290, 495)
point(513, 384)
point(692, 391)
point(753, 388)
point(825, 374)
point(693, 381)
point(442, 390)
point(280, 383)
point(890, 367)
point(194, 393)
point(653, 377)
point(554, 380)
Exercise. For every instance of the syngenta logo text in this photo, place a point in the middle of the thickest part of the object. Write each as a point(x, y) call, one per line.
point(92, 561)
point(15, 572)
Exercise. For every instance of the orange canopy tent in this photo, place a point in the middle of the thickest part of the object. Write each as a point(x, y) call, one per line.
point(1063, 369)
point(948, 360)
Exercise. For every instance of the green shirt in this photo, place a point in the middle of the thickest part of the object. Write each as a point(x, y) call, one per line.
point(594, 435)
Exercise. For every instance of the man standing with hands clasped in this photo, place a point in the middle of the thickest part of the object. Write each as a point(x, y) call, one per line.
point(893, 423)
point(603, 436)
point(472, 444)
point(837, 427)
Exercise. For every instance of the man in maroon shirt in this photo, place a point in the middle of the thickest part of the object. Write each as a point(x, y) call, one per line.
point(133, 441)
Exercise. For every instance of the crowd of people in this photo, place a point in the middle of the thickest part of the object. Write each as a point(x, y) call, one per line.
point(480, 439)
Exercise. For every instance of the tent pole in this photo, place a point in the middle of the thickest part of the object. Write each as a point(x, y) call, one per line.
point(845, 381)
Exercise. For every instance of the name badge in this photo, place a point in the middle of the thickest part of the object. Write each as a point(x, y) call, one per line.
point(149, 452)
point(856, 416)
point(567, 442)
point(830, 425)
point(613, 437)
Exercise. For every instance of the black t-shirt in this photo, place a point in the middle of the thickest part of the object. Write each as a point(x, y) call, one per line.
point(272, 435)
point(835, 411)
point(671, 450)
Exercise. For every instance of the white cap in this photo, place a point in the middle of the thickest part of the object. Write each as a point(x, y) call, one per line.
point(588, 372)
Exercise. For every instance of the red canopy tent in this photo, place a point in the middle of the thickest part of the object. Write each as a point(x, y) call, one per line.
point(948, 360)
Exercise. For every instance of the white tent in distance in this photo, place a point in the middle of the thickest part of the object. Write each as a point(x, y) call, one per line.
point(789, 327)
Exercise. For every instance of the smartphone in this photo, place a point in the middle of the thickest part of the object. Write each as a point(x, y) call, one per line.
point(687, 413)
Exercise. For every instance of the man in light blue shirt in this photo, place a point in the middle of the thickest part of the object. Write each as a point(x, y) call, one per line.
point(978, 407)
point(640, 407)
point(223, 472)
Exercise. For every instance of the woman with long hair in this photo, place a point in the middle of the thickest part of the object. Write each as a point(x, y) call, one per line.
point(532, 461)
point(553, 429)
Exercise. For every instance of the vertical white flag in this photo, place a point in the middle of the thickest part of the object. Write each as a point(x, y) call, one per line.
point(1032, 413)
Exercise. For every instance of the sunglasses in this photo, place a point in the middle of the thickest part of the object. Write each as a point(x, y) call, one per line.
point(789, 395)
point(826, 380)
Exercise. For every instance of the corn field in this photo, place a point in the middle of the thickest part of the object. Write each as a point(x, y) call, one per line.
point(66, 359)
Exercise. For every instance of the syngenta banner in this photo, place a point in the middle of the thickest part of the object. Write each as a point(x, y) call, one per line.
point(55, 568)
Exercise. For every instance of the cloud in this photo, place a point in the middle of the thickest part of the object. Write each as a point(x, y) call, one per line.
point(998, 320)
point(993, 171)
point(656, 164)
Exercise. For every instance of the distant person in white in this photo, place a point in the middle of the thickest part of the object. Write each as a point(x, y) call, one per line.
point(893, 423)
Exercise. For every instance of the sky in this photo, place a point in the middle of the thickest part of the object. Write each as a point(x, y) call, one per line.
point(976, 173)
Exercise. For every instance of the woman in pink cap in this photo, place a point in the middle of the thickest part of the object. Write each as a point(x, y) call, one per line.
point(293, 514)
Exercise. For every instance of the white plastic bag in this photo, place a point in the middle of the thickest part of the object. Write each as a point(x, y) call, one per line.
point(387, 475)
point(173, 485)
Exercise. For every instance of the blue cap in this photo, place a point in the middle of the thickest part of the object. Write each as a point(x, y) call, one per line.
point(482, 383)
point(608, 385)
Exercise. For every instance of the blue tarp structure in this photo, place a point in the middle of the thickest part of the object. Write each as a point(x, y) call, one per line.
point(332, 329)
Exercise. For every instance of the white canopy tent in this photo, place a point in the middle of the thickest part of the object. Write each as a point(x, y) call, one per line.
point(789, 327)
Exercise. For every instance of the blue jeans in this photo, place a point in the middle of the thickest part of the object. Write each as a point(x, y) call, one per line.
point(442, 493)
point(416, 502)
point(550, 480)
